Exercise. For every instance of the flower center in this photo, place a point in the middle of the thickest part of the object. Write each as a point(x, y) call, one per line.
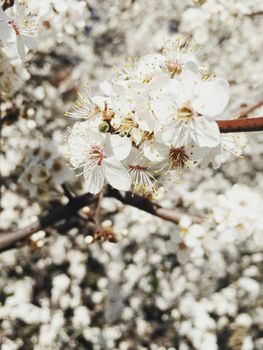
point(138, 167)
point(178, 157)
point(15, 27)
point(185, 112)
point(96, 154)
point(174, 67)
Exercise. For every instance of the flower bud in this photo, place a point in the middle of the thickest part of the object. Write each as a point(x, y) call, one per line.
point(104, 127)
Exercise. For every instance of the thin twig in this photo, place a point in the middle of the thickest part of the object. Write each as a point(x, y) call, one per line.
point(249, 109)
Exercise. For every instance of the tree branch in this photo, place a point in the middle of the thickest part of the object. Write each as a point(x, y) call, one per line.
point(240, 125)
point(249, 109)
point(9, 240)
point(153, 208)
point(7, 4)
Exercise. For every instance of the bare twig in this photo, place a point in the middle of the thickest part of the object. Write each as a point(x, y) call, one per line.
point(249, 109)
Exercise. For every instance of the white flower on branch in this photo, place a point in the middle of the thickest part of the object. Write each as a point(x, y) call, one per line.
point(99, 156)
point(18, 30)
point(188, 115)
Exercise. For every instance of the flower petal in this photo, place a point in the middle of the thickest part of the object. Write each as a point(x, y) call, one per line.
point(117, 175)
point(212, 97)
point(205, 132)
point(94, 179)
point(155, 151)
point(121, 146)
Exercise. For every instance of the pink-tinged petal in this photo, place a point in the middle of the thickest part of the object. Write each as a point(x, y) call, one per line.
point(212, 97)
point(205, 132)
point(117, 175)
point(94, 180)
point(121, 146)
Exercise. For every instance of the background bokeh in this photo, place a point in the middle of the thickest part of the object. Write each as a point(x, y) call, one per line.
point(65, 294)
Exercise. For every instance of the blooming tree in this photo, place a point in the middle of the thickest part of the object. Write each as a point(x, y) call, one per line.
point(131, 174)
point(155, 119)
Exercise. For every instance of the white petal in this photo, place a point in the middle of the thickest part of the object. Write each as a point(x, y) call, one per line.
point(212, 97)
point(94, 180)
point(155, 151)
point(117, 175)
point(161, 109)
point(145, 119)
point(106, 88)
point(121, 146)
point(21, 48)
point(6, 32)
point(101, 100)
point(189, 79)
point(30, 42)
point(205, 132)
point(214, 156)
point(150, 64)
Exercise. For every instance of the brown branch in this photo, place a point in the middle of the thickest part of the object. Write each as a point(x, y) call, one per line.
point(7, 4)
point(249, 109)
point(240, 125)
point(9, 240)
point(145, 204)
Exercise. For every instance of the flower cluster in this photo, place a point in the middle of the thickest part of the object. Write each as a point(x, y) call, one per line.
point(45, 172)
point(156, 117)
point(18, 30)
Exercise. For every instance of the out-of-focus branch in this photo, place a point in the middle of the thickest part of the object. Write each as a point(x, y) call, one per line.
point(7, 4)
point(9, 240)
point(241, 125)
point(249, 109)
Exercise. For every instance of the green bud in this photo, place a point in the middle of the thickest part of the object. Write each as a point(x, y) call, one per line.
point(104, 127)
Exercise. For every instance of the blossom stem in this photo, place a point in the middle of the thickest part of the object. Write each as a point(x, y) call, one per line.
point(241, 125)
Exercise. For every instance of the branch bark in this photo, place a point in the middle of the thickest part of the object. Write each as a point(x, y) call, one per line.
point(9, 240)
point(241, 125)
point(7, 4)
